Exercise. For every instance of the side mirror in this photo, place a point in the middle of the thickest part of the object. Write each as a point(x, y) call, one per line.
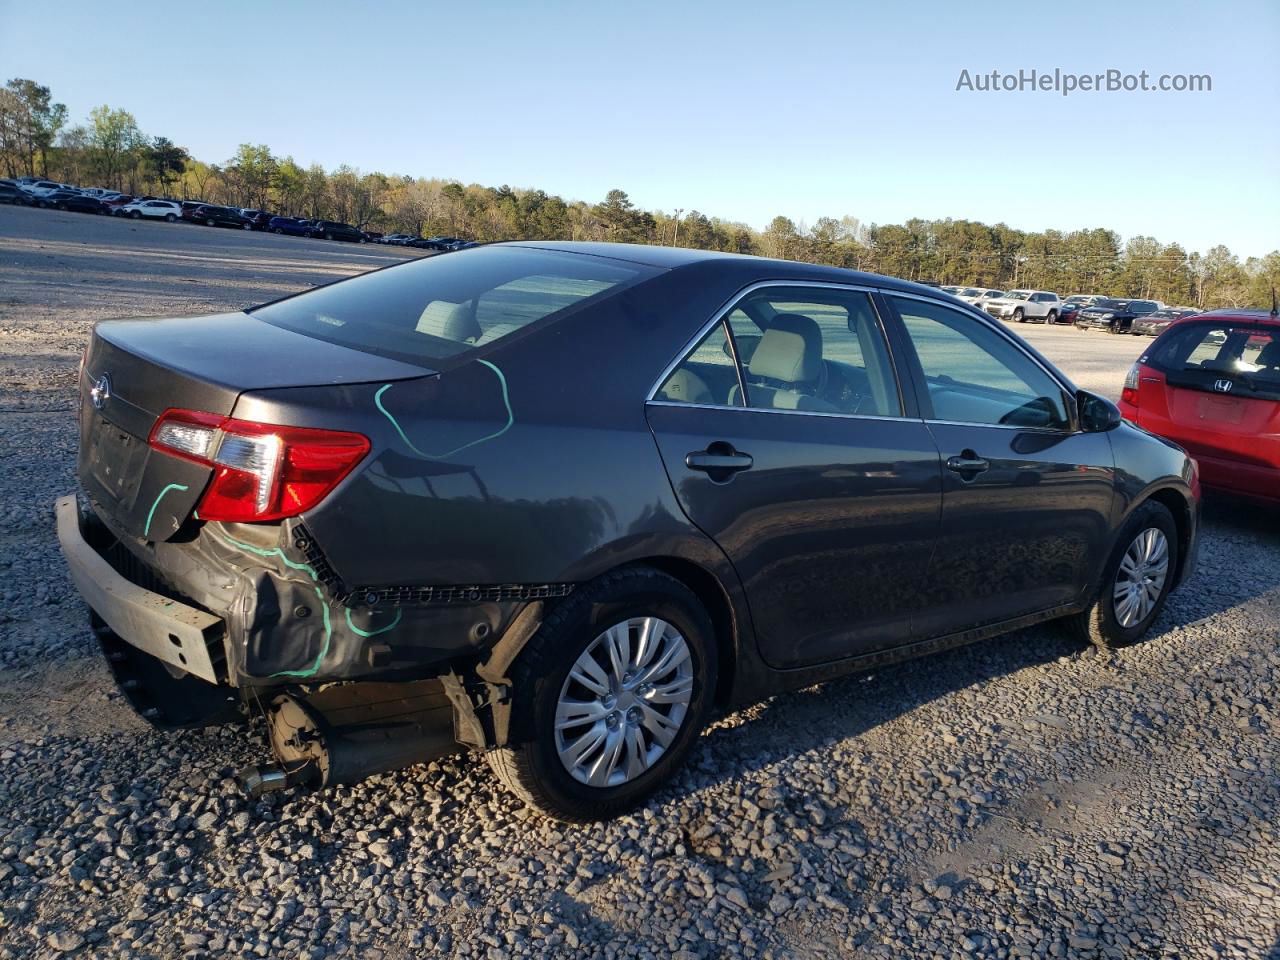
point(1097, 414)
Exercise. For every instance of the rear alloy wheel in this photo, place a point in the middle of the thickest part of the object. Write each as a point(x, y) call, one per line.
point(278, 230)
point(248, 226)
point(609, 696)
point(1051, 319)
point(1136, 581)
point(170, 218)
point(209, 223)
point(1018, 315)
point(137, 215)
point(328, 236)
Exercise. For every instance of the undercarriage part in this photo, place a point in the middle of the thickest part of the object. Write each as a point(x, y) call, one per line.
point(347, 732)
point(167, 698)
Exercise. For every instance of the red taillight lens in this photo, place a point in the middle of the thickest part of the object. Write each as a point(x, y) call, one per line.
point(261, 471)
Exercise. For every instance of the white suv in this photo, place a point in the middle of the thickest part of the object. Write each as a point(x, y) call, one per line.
point(157, 209)
point(1022, 305)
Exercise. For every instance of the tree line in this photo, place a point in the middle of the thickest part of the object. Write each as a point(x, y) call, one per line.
point(110, 150)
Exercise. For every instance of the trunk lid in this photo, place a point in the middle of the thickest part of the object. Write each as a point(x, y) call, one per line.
point(134, 370)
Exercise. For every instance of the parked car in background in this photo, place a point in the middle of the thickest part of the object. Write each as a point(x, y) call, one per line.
point(1154, 324)
point(39, 188)
point(215, 216)
point(75, 202)
point(1114, 315)
point(292, 226)
point(1075, 303)
point(1211, 383)
point(115, 203)
point(258, 218)
point(12, 193)
point(373, 236)
point(335, 230)
point(396, 239)
point(151, 209)
point(1023, 305)
point(979, 295)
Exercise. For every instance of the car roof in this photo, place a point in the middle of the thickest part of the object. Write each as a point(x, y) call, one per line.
point(670, 258)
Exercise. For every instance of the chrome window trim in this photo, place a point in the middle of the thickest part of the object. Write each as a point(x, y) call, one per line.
point(722, 315)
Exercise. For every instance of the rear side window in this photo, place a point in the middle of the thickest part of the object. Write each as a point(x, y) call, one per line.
point(442, 307)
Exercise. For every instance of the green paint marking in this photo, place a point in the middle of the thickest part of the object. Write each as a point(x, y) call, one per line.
point(146, 531)
point(372, 633)
point(506, 400)
point(312, 670)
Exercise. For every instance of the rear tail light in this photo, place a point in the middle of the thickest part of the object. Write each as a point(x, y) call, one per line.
point(1130, 392)
point(261, 471)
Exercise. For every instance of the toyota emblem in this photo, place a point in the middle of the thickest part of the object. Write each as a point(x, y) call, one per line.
point(100, 392)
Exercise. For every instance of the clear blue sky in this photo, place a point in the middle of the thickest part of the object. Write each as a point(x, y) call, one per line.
point(740, 109)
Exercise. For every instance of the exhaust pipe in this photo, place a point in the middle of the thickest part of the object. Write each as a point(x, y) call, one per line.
point(345, 733)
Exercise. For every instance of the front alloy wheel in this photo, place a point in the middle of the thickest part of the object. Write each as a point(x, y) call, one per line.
point(1141, 577)
point(1136, 581)
point(623, 702)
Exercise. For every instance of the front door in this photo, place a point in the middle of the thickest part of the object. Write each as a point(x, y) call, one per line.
point(803, 465)
point(1026, 496)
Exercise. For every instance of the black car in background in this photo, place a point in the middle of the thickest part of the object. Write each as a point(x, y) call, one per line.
point(75, 202)
point(1154, 324)
point(560, 501)
point(333, 230)
point(12, 193)
point(212, 216)
point(292, 226)
point(258, 219)
point(1114, 315)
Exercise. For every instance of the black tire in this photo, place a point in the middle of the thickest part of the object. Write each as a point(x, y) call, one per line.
point(210, 223)
point(530, 765)
point(1018, 315)
point(170, 218)
point(1051, 319)
point(278, 230)
point(328, 236)
point(1098, 623)
point(136, 215)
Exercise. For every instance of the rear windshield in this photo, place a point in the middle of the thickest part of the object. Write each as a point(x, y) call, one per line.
point(441, 307)
point(1204, 355)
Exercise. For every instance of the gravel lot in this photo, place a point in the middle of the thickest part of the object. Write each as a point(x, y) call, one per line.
point(1018, 798)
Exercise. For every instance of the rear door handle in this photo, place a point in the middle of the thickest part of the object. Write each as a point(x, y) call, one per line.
point(967, 463)
point(729, 462)
point(720, 462)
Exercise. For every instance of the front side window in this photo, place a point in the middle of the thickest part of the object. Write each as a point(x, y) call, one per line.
point(974, 375)
point(438, 308)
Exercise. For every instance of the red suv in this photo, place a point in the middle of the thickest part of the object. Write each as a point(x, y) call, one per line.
point(1211, 383)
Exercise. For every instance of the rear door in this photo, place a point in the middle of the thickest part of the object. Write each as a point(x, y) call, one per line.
point(1216, 391)
point(1026, 497)
point(807, 464)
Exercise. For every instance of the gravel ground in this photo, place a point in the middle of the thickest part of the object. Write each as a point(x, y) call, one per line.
point(1019, 798)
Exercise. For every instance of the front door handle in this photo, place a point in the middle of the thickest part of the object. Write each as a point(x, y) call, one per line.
point(719, 461)
point(968, 464)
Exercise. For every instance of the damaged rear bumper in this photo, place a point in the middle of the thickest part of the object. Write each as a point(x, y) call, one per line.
point(175, 633)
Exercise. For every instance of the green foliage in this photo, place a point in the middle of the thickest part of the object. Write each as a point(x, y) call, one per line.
point(111, 151)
